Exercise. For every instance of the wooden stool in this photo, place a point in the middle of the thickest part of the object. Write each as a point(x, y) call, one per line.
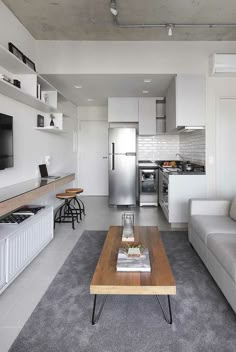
point(81, 206)
point(66, 213)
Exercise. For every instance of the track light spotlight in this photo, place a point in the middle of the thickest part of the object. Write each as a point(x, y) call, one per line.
point(170, 30)
point(113, 8)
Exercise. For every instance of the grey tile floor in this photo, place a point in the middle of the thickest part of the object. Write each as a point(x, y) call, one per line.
point(18, 301)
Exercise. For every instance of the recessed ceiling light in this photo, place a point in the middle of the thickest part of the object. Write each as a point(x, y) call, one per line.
point(145, 91)
point(147, 80)
point(78, 87)
point(90, 99)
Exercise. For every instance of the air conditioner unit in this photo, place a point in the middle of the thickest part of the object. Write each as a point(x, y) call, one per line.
point(223, 65)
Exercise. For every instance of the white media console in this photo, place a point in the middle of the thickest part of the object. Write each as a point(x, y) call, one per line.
point(21, 243)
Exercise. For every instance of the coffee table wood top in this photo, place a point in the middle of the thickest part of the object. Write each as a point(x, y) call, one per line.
point(160, 281)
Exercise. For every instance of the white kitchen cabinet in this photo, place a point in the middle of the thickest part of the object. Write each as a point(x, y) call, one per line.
point(123, 110)
point(181, 188)
point(185, 102)
point(2, 263)
point(147, 116)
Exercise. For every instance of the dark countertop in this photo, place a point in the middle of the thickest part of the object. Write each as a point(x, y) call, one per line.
point(158, 163)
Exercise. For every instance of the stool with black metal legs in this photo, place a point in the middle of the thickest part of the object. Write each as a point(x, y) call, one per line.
point(66, 213)
point(81, 207)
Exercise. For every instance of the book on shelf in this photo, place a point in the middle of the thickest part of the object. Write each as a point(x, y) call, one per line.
point(133, 263)
point(39, 91)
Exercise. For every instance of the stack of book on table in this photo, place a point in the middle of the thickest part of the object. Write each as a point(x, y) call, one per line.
point(134, 258)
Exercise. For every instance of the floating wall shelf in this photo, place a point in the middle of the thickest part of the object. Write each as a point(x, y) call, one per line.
point(15, 93)
point(49, 129)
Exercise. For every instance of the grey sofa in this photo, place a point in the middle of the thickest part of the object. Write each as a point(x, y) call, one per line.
point(212, 233)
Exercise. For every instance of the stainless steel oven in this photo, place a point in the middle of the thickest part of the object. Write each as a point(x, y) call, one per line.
point(148, 187)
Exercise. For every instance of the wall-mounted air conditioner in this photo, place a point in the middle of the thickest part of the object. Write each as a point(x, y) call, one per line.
point(223, 65)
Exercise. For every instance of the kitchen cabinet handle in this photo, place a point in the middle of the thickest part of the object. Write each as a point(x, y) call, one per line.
point(104, 157)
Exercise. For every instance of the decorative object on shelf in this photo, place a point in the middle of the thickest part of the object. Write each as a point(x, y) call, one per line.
point(40, 121)
point(13, 49)
point(45, 97)
point(17, 83)
point(38, 91)
point(5, 78)
point(29, 63)
point(128, 227)
point(52, 118)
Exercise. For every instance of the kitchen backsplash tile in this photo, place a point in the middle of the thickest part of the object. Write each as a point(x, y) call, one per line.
point(164, 147)
point(192, 146)
point(160, 147)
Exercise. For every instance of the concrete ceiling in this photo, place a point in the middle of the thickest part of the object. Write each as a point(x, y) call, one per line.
point(92, 20)
point(99, 87)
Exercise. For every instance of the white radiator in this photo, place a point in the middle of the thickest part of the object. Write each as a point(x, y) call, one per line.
point(26, 241)
point(2, 263)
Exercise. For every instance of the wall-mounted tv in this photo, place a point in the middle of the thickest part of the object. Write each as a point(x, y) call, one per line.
point(6, 141)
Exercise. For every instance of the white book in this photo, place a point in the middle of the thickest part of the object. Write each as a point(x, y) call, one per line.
point(38, 91)
point(135, 264)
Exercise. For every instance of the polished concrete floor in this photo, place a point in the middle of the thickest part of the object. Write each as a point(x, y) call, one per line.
point(18, 301)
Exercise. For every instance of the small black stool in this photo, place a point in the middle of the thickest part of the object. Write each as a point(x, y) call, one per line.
point(66, 213)
point(81, 207)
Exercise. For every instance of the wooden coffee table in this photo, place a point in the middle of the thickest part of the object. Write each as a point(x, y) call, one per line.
point(107, 281)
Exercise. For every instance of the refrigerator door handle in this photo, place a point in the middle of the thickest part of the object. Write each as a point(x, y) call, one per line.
point(130, 154)
point(113, 156)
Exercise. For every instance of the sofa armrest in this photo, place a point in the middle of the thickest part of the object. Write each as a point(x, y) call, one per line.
point(209, 206)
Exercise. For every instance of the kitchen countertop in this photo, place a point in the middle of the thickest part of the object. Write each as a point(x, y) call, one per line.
point(156, 165)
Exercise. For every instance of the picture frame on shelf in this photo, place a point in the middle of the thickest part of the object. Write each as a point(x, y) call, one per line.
point(40, 121)
point(15, 51)
point(29, 63)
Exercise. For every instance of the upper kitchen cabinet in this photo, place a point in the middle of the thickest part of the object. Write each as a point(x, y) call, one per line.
point(151, 116)
point(122, 109)
point(185, 102)
point(147, 116)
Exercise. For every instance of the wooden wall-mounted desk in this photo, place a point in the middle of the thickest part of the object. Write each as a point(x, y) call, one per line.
point(15, 196)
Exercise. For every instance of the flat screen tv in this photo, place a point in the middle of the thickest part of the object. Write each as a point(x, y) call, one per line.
point(6, 141)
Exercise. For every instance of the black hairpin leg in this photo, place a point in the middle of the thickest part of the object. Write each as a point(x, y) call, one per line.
point(96, 318)
point(167, 319)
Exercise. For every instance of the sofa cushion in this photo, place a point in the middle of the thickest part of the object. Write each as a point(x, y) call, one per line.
point(223, 246)
point(205, 225)
point(232, 212)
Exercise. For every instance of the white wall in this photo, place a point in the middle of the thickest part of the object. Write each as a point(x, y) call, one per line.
point(31, 146)
point(11, 30)
point(93, 113)
point(127, 57)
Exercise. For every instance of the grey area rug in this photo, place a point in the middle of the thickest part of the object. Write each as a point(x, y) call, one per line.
point(203, 320)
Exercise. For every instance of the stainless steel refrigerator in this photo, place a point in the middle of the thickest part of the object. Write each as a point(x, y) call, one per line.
point(122, 166)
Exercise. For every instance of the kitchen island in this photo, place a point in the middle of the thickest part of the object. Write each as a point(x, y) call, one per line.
point(175, 191)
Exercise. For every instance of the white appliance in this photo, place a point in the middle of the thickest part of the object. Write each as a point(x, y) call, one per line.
point(223, 65)
point(122, 166)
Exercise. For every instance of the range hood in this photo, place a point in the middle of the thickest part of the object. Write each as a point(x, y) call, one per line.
point(187, 129)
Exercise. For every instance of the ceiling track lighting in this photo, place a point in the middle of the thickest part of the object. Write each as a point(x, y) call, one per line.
point(168, 26)
point(170, 30)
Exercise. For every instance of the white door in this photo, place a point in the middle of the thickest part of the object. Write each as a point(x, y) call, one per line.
point(93, 164)
point(226, 148)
